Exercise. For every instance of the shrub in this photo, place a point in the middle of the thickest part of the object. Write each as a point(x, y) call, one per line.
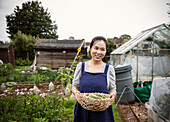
point(5, 69)
point(31, 108)
point(22, 62)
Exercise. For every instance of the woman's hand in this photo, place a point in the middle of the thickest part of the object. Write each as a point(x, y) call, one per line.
point(112, 96)
point(75, 91)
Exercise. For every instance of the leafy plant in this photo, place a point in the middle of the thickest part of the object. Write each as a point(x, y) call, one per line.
point(31, 107)
point(5, 69)
point(40, 120)
point(22, 62)
point(37, 81)
point(69, 109)
point(65, 74)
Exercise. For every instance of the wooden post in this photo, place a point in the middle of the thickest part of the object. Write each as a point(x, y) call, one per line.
point(119, 59)
point(35, 60)
point(77, 54)
point(9, 59)
point(78, 51)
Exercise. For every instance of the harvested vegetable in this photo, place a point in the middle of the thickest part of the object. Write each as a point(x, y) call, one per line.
point(96, 97)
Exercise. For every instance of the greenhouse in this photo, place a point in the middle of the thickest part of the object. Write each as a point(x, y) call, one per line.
point(148, 53)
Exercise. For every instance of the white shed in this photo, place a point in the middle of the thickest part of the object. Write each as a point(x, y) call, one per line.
point(148, 53)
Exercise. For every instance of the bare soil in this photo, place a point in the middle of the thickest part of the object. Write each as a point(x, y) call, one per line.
point(43, 87)
point(133, 113)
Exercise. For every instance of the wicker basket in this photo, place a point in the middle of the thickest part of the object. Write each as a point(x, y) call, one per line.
point(93, 104)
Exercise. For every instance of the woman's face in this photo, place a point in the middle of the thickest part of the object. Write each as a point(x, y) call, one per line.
point(98, 50)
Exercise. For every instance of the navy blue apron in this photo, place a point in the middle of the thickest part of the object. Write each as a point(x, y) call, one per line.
point(93, 82)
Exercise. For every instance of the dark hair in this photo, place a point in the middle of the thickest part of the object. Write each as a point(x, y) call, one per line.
point(98, 38)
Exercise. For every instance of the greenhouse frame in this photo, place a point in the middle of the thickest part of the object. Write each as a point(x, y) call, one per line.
point(148, 53)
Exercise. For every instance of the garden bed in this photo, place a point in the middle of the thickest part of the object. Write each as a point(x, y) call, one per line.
point(125, 111)
point(133, 113)
point(43, 87)
point(22, 88)
point(20, 103)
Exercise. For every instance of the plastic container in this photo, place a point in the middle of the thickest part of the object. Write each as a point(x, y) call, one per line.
point(123, 79)
point(153, 115)
point(160, 97)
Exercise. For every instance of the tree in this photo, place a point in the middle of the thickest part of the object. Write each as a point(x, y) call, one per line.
point(31, 19)
point(1, 42)
point(125, 36)
point(111, 45)
point(71, 38)
point(23, 45)
point(112, 42)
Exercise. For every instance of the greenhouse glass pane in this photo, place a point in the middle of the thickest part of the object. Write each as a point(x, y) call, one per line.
point(162, 34)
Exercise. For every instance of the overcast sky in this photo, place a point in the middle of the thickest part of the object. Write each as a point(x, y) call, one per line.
point(84, 19)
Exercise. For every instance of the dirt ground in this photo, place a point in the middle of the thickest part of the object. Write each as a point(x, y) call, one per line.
point(133, 113)
point(43, 87)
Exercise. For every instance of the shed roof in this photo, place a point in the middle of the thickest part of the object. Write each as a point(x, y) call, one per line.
point(57, 44)
point(162, 32)
point(4, 46)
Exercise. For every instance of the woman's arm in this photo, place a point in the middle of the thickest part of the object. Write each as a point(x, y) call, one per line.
point(75, 91)
point(76, 80)
point(112, 82)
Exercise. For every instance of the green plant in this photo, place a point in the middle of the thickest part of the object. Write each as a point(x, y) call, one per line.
point(69, 103)
point(31, 107)
point(36, 80)
point(40, 17)
point(20, 68)
point(80, 57)
point(5, 69)
point(65, 74)
point(116, 113)
point(69, 109)
point(48, 106)
point(15, 75)
point(40, 120)
point(11, 83)
point(8, 107)
point(23, 62)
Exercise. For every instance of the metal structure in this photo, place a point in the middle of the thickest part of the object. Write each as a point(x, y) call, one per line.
point(148, 53)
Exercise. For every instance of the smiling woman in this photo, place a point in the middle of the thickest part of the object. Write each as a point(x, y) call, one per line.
point(91, 77)
point(98, 48)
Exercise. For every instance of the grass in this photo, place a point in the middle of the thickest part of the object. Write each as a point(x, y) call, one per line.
point(21, 68)
point(116, 113)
